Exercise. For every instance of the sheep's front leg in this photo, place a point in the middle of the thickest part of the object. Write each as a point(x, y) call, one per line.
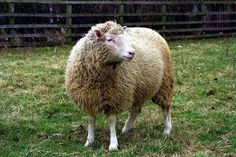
point(91, 127)
point(113, 139)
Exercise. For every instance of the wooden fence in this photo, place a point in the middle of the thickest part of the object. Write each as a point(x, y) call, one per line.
point(50, 22)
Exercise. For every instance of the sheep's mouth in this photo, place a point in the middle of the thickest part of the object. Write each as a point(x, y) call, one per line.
point(128, 58)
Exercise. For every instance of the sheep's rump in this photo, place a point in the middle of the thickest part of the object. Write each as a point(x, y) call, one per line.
point(131, 83)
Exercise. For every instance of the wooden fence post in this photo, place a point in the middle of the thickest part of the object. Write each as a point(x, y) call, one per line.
point(204, 11)
point(69, 21)
point(163, 18)
point(11, 9)
point(121, 14)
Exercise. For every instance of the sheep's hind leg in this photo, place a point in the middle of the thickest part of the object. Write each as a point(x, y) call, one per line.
point(166, 112)
point(130, 121)
point(113, 139)
point(167, 120)
point(91, 127)
point(163, 99)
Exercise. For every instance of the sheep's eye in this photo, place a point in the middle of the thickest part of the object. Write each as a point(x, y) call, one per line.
point(109, 39)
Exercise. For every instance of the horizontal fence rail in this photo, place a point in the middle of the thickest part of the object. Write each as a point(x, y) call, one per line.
point(119, 2)
point(54, 22)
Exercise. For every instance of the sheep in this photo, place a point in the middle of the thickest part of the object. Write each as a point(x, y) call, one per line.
point(114, 69)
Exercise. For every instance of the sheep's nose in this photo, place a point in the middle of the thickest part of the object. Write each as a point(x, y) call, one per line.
point(131, 53)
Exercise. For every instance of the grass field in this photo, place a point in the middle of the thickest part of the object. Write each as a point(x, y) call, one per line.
point(38, 119)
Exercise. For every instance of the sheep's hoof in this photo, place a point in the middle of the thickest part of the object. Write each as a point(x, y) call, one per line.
point(87, 144)
point(113, 147)
point(167, 131)
point(124, 131)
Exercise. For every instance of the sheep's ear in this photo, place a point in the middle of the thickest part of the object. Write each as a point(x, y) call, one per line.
point(98, 34)
point(124, 28)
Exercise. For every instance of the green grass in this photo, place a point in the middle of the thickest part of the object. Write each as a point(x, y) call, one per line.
point(38, 119)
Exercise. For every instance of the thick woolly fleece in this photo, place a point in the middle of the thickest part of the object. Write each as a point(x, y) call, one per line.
point(97, 85)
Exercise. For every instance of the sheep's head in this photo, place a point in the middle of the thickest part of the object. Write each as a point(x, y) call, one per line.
point(112, 42)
